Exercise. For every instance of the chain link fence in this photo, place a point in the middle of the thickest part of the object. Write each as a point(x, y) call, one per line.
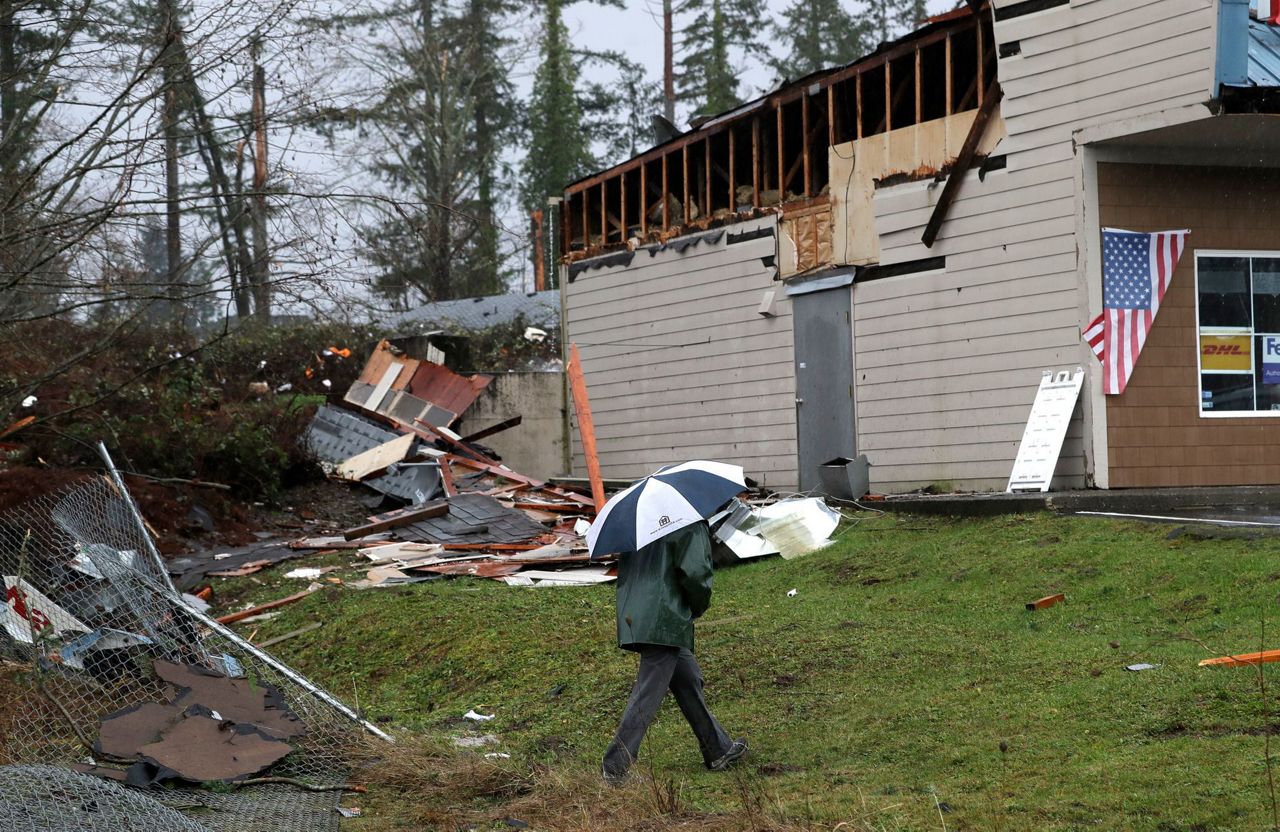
point(88, 615)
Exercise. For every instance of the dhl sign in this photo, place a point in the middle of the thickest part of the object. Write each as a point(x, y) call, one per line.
point(1225, 353)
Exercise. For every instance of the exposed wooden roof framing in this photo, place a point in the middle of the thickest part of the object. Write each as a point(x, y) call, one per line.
point(708, 173)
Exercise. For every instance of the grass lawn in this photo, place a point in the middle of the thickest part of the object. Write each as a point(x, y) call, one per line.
point(904, 686)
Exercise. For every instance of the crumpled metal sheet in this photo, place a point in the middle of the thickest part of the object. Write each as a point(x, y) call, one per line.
point(336, 434)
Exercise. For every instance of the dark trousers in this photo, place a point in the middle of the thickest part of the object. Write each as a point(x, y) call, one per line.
point(661, 669)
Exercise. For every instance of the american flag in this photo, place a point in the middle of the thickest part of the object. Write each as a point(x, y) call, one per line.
point(1136, 269)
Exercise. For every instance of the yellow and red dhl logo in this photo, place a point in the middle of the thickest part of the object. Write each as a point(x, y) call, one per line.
point(1226, 353)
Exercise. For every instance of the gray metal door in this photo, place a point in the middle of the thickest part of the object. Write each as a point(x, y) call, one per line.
point(824, 379)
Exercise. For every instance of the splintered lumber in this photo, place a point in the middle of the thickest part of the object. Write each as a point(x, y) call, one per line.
point(586, 427)
point(453, 440)
point(375, 459)
point(491, 547)
point(1047, 601)
point(232, 618)
point(506, 473)
point(1243, 660)
point(425, 513)
point(492, 429)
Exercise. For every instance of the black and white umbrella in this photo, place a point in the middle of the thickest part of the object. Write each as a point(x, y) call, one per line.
point(663, 502)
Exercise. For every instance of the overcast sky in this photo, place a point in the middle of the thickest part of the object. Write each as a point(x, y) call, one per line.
point(637, 32)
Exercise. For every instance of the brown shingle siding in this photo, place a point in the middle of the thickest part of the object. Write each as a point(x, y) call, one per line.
point(1155, 433)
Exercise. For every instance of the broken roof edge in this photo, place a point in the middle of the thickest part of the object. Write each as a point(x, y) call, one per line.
point(790, 90)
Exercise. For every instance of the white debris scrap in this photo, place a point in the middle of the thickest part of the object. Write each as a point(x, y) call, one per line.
point(477, 717)
point(29, 401)
point(798, 526)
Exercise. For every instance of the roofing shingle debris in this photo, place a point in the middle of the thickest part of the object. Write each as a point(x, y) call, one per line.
point(464, 512)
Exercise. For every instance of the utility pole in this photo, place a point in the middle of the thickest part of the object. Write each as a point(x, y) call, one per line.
point(261, 275)
point(173, 214)
point(668, 64)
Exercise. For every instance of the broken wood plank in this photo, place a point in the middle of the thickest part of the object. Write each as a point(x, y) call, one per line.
point(586, 427)
point(241, 570)
point(514, 421)
point(963, 162)
point(451, 439)
point(375, 459)
point(566, 509)
point(1046, 602)
point(507, 473)
point(261, 608)
point(425, 513)
point(292, 634)
point(491, 547)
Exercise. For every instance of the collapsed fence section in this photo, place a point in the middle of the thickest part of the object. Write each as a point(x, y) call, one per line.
point(101, 660)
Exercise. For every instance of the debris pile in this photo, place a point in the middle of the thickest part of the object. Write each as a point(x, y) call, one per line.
point(464, 512)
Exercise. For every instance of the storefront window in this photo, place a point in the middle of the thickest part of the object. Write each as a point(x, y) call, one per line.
point(1238, 311)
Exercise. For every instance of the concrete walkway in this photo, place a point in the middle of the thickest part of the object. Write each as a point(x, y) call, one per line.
point(1256, 504)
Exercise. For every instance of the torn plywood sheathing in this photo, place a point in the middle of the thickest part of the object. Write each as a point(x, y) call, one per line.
point(475, 568)
point(473, 518)
point(202, 748)
point(237, 700)
point(122, 733)
point(857, 166)
point(375, 459)
point(804, 238)
point(408, 389)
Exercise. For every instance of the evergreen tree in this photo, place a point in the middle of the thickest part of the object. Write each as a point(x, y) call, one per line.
point(559, 150)
point(446, 111)
point(496, 115)
point(32, 34)
point(818, 34)
point(707, 78)
point(910, 14)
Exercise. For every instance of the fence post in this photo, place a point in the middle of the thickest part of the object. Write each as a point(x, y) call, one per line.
point(152, 551)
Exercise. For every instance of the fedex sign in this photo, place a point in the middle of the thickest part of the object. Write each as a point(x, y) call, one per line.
point(1270, 359)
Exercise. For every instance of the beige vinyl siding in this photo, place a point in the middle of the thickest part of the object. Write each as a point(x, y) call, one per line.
point(1086, 64)
point(680, 365)
point(948, 363)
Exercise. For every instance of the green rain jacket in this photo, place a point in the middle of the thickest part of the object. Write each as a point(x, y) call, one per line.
point(663, 587)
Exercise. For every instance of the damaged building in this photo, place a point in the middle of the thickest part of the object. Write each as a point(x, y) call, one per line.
point(883, 258)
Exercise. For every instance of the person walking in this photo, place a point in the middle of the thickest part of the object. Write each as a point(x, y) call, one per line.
point(662, 587)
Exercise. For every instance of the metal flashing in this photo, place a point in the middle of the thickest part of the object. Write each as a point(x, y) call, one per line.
point(828, 279)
